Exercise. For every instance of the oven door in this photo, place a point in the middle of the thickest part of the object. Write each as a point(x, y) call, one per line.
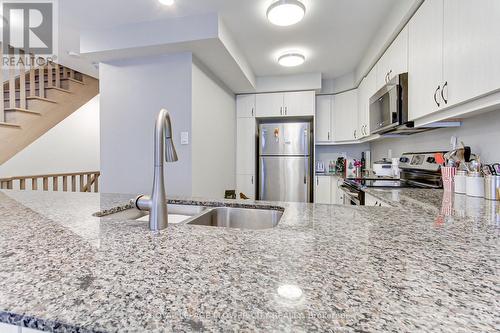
point(351, 196)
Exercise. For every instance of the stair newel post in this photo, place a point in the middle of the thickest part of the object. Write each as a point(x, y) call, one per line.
point(32, 76)
point(58, 76)
point(41, 81)
point(50, 75)
point(12, 83)
point(22, 81)
point(2, 111)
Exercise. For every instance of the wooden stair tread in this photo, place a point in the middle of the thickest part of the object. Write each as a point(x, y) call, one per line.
point(55, 88)
point(22, 110)
point(9, 125)
point(41, 99)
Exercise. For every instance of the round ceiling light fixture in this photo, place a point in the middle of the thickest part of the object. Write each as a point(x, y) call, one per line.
point(286, 12)
point(166, 2)
point(291, 59)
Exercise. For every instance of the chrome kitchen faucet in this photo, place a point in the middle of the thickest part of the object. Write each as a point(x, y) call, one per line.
point(163, 149)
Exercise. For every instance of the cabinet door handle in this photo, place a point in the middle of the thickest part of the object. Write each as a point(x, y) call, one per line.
point(442, 92)
point(252, 180)
point(389, 76)
point(281, 110)
point(286, 110)
point(328, 136)
point(252, 112)
point(435, 95)
point(317, 181)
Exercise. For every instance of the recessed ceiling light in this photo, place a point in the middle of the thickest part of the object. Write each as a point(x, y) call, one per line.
point(291, 59)
point(286, 12)
point(166, 2)
point(290, 292)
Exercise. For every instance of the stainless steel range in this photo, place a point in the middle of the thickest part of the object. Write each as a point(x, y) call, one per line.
point(418, 170)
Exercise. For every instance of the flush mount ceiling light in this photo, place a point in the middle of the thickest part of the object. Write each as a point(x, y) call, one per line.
point(291, 59)
point(166, 2)
point(286, 12)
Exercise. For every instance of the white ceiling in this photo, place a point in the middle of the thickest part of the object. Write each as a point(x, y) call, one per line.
point(334, 33)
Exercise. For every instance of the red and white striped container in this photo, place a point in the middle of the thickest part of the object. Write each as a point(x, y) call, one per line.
point(448, 174)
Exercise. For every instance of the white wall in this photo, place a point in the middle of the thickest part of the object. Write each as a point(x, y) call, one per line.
point(481, 132)
point(70, 146)
point(213, 135)
point(132, 94)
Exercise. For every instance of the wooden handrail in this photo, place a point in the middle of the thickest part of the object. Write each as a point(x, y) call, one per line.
point(87, 181)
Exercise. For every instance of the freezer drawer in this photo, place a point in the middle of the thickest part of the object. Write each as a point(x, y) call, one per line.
point(285, 178)
point(284, 139)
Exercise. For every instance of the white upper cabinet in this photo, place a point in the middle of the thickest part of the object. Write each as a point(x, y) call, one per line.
point(471, 49)
point(394, 61)
point(245, 144)
point(366, 90)
point(425, 61)
point(345, 116)
point(245, 106)
point(291, 104)
point(270, 105)
point(323, 118)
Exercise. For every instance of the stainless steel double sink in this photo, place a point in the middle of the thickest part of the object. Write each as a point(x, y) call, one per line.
point(229, 217)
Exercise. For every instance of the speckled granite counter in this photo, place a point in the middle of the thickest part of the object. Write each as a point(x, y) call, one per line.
point(359, 269)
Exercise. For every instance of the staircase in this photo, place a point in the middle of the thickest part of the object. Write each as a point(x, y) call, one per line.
point(37, 99)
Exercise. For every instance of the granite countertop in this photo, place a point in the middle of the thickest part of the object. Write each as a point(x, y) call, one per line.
point(413, 267)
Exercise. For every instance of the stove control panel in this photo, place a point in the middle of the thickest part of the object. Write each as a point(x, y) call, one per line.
point(419, 161)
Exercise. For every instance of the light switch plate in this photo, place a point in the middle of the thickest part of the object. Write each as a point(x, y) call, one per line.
point(184, 138)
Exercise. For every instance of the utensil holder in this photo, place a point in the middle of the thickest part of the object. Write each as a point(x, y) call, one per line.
point(461, 182)
point(475, 185)
point(492, 188)
point(448, 174)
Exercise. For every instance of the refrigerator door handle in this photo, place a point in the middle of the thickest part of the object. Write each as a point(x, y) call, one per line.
point(305, 157)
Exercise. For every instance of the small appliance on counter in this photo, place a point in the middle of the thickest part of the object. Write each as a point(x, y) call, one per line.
point(320, 167)
point(418, 170)
point(383, 168)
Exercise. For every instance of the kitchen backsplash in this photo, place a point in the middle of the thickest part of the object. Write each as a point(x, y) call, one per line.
point(481, 132)
point(331, 153)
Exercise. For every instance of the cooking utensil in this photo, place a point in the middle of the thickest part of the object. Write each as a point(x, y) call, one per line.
point(495, 169)
point(439, 157)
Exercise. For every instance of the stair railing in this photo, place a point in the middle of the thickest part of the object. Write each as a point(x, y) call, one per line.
point(73, 182)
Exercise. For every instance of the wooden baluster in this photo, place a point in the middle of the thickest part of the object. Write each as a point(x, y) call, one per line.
point(71, 74)
point(32, 82)
point(50, 75)
point(41, 82)
point(65, 183)
point(45, 183)
point(88, 185)
point(96, 183)
point(12, 87)
point(9, 184)
point(34, 184)
point(55, 184)
point(64, 72)
point(81, 183)
point(22, 184)
point(58, 76)
point(22, 83)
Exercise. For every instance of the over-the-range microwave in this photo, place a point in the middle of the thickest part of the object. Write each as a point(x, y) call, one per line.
point(389, 107)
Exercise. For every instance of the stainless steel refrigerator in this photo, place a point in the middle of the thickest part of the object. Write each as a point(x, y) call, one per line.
point(285, 161)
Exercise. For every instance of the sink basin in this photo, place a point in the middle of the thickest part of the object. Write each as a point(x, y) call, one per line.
point(176, 214)
point(242, 218)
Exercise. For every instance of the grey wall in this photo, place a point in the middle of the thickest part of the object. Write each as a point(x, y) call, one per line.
point(481, 132)
point(132, 94)
point(213, 127)
point(331, 153)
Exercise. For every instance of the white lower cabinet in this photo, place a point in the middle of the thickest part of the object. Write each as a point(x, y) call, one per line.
point(322, 190)
point(326, 190)
point(245, 184)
